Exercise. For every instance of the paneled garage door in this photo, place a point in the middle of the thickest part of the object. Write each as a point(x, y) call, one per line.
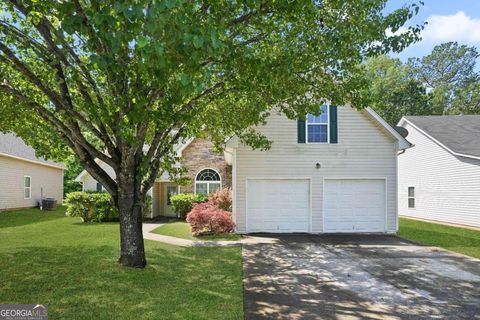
point(278, 205)
point(354, 205)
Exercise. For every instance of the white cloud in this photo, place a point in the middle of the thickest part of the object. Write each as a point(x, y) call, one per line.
point(400, 30)
point(457, 27)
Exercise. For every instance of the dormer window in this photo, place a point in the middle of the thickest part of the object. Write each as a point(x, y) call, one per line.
point(317, 126)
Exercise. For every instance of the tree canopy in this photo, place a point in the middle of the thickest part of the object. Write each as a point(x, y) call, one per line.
point(107, 78)
point(446, 81)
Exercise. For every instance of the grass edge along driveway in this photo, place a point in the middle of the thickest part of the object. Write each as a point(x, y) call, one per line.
point(181, 229)
point(51, 259)
point(460, 240)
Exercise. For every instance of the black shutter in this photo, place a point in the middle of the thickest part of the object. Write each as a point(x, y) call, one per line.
point(333, 124)
point(301, 131)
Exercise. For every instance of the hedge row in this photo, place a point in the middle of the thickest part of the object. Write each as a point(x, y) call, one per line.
point(95, 206)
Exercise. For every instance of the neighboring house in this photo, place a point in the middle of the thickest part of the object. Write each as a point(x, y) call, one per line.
point(333, 173)
point(439, 178)
point(24, 177)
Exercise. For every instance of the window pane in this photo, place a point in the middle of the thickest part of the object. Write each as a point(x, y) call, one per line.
point(411, 202)
point(411, 192)
point(214, 187)
point(26, 182)
point(26, 193)
point(324, 114)
point(171, 191)
point(208, 175)
point(201, 188)
point(317, 133)
point(321, 118)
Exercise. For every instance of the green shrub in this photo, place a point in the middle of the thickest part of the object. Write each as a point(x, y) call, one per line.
point(182, 203)
point(103, 209)
point(90, 206)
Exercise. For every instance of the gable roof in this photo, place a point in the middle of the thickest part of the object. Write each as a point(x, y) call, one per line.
point(14, 147)
point(402, 142)
point(458, 134)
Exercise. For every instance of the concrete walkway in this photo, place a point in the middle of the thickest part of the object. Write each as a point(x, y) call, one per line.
point(147, 234)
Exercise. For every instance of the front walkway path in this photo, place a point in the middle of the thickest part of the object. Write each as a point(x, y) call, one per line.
point(147, 234)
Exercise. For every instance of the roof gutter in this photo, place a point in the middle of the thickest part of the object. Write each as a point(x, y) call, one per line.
point(32, 161)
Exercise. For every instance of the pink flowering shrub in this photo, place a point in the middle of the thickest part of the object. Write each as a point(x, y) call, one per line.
point(206, 218)
point(222, 198)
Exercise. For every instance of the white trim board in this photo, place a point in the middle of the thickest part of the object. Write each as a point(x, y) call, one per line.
point(402, 142)
point(32, 161)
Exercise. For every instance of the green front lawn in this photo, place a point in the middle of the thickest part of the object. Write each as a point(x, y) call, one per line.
point(461, 240)
point(51, 259)
point(181, 229)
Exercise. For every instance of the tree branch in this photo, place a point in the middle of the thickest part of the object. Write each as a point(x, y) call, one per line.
point(156, 161)
point(69, 137)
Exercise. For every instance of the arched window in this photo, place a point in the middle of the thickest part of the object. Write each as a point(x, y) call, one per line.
point(207, 181)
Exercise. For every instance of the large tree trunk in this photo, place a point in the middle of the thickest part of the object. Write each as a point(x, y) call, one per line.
point(130, 205)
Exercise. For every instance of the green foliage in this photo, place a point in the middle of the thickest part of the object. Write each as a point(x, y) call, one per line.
point(182, 203)
point(147, 209)
point(103, 69)
point(450, 73)
point(462, 240)
point(392, 93)
point(73, 168)
point(443, 82)
point(90, 206)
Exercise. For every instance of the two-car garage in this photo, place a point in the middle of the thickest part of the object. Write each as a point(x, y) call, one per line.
point(284, 205)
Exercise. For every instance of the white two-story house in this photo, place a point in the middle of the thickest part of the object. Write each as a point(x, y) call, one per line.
point(336, 172)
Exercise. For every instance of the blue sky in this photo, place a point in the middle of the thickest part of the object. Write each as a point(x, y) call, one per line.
point(448, 20)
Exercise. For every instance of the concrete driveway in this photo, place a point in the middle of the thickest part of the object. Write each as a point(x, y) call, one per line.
point(357, 277)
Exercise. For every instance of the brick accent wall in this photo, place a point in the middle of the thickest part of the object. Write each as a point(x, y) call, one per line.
point(199, 155)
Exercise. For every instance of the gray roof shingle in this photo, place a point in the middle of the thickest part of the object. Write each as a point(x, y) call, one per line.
point(12, 145)
point(461, 133)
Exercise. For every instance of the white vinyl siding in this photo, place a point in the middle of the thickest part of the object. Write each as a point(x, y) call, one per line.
point(363, 150)
point(13, 187)
point(90, 184)
point(447, 188)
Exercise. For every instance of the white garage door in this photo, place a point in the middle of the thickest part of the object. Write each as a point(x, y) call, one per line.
point(278, 205)
point(354, 205)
